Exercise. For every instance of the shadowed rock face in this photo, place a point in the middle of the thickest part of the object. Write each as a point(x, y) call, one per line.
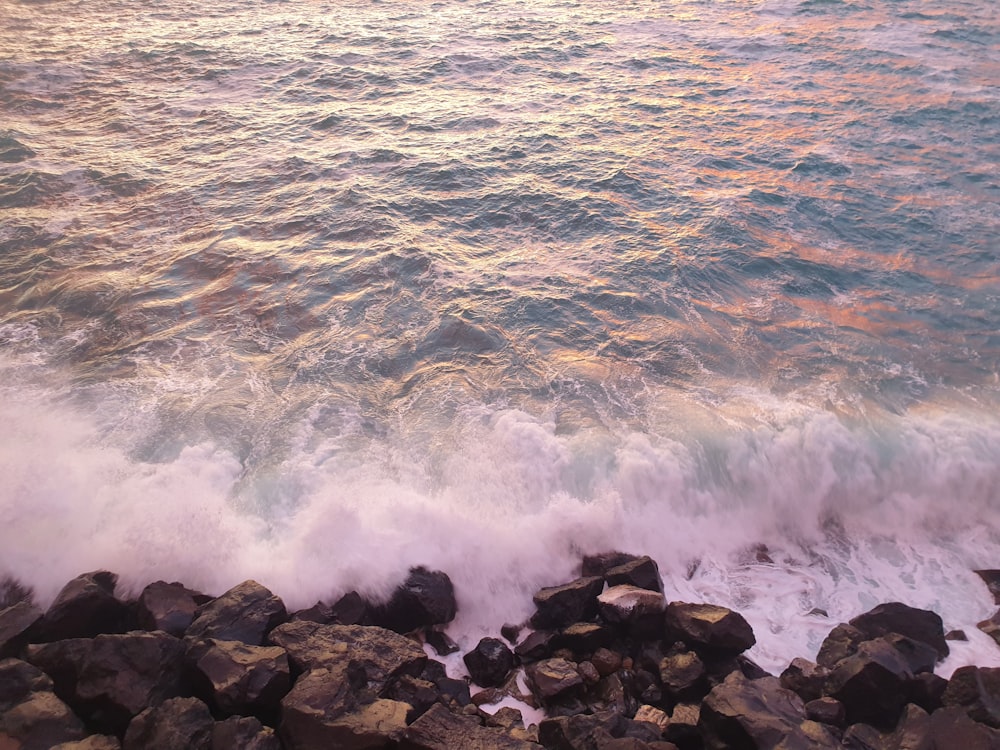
point(559, 606)
point(170, 607)
point(237, 678)
point(894, 617)
point(111, 678)
point(85, 607)
point(489, 662)
point(31, 716)
point(425, 598)
point(176, 723)
point(439, 729)
point(246, 613)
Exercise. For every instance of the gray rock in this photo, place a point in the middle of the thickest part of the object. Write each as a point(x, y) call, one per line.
point(16, 622)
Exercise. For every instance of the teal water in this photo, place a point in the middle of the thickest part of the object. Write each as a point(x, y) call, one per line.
point(314, 292)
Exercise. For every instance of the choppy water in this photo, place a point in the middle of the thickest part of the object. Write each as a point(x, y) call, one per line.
point(311, 292)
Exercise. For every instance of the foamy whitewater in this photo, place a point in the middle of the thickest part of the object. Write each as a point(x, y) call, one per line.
point(314, 292)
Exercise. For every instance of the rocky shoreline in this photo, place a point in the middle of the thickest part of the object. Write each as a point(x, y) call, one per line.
point(613, 665)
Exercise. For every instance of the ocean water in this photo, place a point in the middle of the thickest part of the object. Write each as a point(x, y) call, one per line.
point(311, 292)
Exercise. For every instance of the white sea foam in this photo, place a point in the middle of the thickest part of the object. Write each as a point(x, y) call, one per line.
point(850, 516)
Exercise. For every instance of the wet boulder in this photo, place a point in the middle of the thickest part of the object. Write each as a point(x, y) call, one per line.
point(976, 690)
point(896, 617)
point(175, 724)
point(642, 572)
point(710, 627)
point(872, 683)
point(490, 662)
point(84, 608)
point(600, 564)
point(537, 645)
point(243, 733)
point(992, 580)
point(683, 676)
point(351, 609)
point(111, 678)
point(742, 714)
point(991, 626)
point(93, 742)
point(583, 637)
point(32, 717)
point(946, 729)
point(441, 642)
point(927, 691)
point(439, 729)
point(425, 598)
point(236, 678)
point(16, 622)
point(169, 607)
point(626, 603)
point(378, 653)
point(826, 710)
point(247, 613)
point(559, 606)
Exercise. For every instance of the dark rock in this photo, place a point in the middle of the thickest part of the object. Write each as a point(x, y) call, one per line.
point(992, 580)
point(588, 672)
point(946, 729)
point(85, 607)
point(559, 606)
point(31, 716)
point(318, 613)
point(606, 661)
point(578, 732)
point(612, 695)
point(919, 656)
point(16, 622)
point(169, 607)
point(418, 693)
point(742, 714)
point(682, 675)
point(489, 662)
point(683, 727)
point(707, 626)
point(425, 598)
point(243, 733)
point(826, 710)
point(977, 691)
point(510, 632)
point(247, 613)
point(583, 637)
point(175, 724)
point(538, 645)
point(554, 678)
point(872, 683)
point(351, 609)
point(927, 691)
point(93, 742)
point(440, 642)
point(991, 627)
point(505, 718)
point(642, 572)
point(328, 707)
point(598, 565)
point(237, 678)
point(956, 635)
point(805, 679)
point(439, 729)
point(895, 617)
point(111, 678)
point(842, 641)
point(750, 669)
point(379, 653)
point(454, 690)
point(627, 603)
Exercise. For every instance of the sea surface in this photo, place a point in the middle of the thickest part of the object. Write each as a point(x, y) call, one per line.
point(313, 291)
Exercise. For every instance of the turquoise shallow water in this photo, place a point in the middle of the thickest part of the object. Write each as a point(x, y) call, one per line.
point(313, 292)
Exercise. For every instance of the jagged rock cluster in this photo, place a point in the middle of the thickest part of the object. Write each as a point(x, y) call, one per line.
point(614, 665)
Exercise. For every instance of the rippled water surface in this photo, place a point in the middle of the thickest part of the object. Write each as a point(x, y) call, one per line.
point(315, 291)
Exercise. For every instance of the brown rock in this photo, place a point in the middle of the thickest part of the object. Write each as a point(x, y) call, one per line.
point(93, 742)
point(872, 683)
point(425, 598)
point(805, 679)
point(976, 690)
point(642, 572)
point(606, 661)
point(707, 626)
point(683, 676)
point(895, 617)
point(237, 678)
point(169, 607)
point(826, 710)
point(31, 716)
point(439, 729)
point(843, 641)
point(992, 580)
point(243, 733)
point(554, 678)
point(627, 603)
point(16, 622)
